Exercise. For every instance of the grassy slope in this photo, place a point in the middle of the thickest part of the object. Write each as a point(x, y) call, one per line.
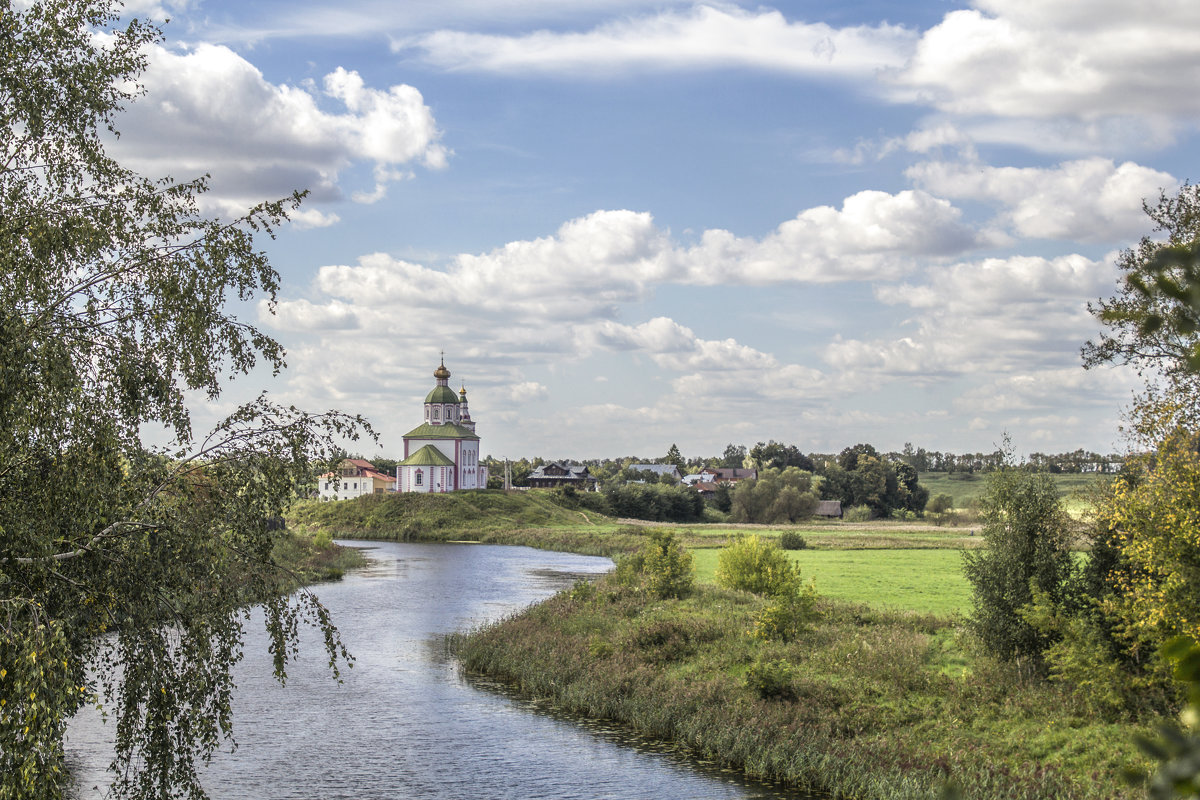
point(491, 516)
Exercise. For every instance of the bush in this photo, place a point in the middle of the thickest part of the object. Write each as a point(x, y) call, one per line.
point(791, 540)
point(857, 514)
point(663, 565)
point(940, 504)
point(668, 565)
point(1028, 550)
point(787, 617)
point(755, 565)
point(772, 679)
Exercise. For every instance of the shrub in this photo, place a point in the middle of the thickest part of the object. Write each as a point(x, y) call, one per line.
point(630, 568)
point(787, 617)
point(791, 540)
point(322, 540)
point(772, 679)
point(857, 514)
point(583, 591)
point(1028, 537)
point(668, 565)
point(756, 565)
point(940, 504)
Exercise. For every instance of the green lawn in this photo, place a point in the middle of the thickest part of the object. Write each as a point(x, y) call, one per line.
point(926, 580)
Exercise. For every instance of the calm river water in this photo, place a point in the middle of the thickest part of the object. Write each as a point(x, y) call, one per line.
point(404, 723)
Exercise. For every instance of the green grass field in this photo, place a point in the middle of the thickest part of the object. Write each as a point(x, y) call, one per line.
point(966, 489)
point(927, 580)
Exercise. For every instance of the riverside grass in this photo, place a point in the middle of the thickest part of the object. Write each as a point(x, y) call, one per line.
point(875, 712)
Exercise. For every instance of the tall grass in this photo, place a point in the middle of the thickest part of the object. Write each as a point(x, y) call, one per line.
point(871, 709)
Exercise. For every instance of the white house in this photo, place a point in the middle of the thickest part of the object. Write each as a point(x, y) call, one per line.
point(354, 478)
point(442, 453)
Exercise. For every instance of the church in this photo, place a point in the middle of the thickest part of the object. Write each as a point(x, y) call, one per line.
point(442, 453)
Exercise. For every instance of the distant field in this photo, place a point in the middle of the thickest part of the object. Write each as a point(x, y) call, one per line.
point(967, 489)
point(928, 580)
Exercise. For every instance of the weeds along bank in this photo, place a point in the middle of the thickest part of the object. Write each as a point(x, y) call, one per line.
point(863, 703)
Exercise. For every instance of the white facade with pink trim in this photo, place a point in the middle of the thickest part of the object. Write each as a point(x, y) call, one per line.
point(442, 453)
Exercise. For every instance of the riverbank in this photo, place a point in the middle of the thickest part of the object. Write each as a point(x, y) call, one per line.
point(867, 703)
point(306, 559)
point(882, 698)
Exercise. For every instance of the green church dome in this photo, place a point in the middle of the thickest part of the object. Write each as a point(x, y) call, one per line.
point(441, 394)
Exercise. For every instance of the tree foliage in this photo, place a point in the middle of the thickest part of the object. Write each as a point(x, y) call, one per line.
point(1153, 320)
point(776, 496)
point(1154, 510)
point(1028, 551)
point(776, 455)
point(124, 570)
point(754, 564)
point(668, 565)
point(860, 476)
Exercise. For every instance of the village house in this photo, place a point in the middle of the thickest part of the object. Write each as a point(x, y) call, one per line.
point(557, 473)
point(354, 478)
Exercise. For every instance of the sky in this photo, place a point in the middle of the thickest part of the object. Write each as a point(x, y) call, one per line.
point(628, 224)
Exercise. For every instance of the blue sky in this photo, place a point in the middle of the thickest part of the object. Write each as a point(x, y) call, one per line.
point(629, 224)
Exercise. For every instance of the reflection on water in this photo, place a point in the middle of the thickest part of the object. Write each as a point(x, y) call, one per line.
point(404, 723)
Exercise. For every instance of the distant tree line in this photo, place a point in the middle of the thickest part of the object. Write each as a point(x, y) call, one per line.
point(1074, 462)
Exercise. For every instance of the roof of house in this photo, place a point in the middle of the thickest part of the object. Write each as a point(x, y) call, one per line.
point(427, 456)
point(572, 472)
point(658, 469)
point(446, 430)
point(829, 508)
point(735, 473)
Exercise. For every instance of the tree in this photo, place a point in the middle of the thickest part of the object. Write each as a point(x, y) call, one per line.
point(734, 456)
point(674, 457)
point(1155, 317)
point(124, 569)
point(1154, 508)
point(1028, 550)
point(848, 459)
point(776, 455)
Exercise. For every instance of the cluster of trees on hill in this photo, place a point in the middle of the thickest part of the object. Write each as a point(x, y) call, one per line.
point(788, 487)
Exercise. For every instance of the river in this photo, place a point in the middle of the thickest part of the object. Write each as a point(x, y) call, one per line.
point(405, 723)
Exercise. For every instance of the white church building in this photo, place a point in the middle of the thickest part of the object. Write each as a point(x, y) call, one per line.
point(442, 454)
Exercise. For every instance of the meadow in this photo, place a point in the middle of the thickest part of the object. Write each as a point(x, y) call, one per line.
point(966, 488)
point(927, 581)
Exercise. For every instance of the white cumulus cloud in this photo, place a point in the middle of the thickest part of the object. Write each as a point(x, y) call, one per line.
point(208, 109)
point(1089, 200)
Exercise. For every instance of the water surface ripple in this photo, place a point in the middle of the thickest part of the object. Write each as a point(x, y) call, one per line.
point(404, 723)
